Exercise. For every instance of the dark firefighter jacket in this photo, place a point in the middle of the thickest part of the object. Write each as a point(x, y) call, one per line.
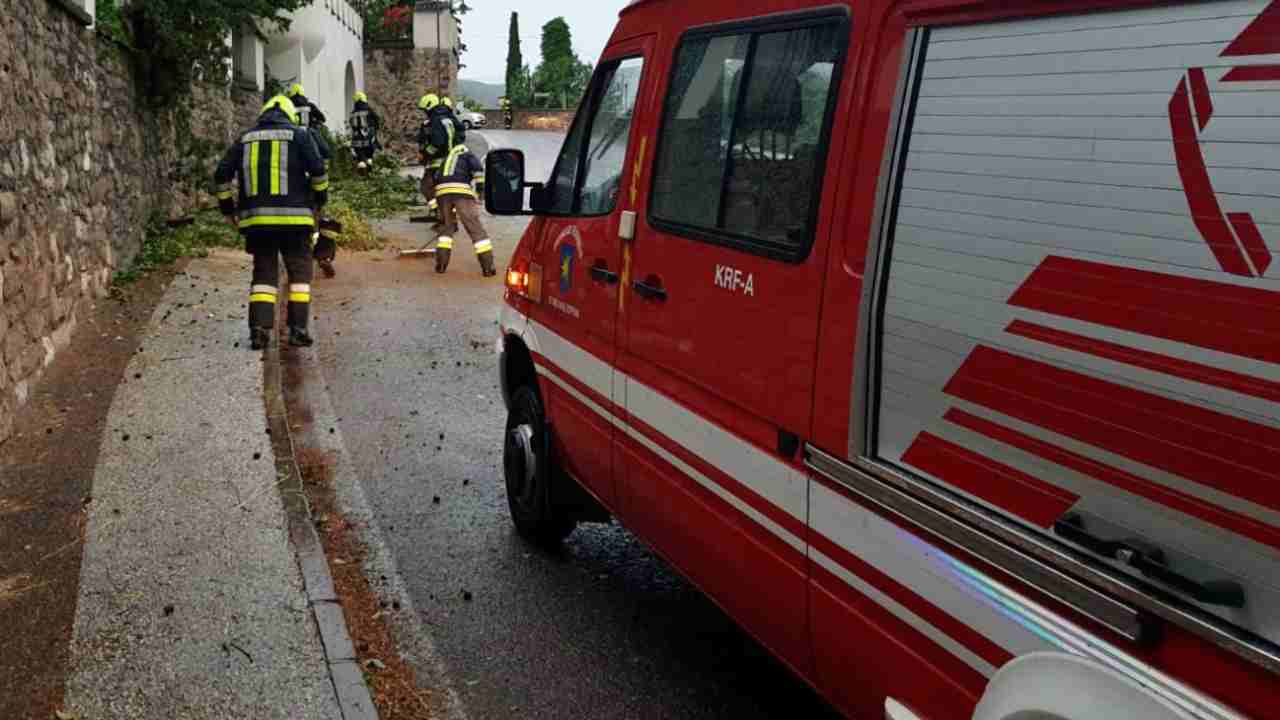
point(365, 124)
point(439, 135)
point(309, 116)
point(363, 116)
point(279, 173)
point(460, 169)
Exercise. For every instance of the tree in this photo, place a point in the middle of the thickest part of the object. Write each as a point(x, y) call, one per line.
point(517, 88)
point(178, 42)
point(560, 75)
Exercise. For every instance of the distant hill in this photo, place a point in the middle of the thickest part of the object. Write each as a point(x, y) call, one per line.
point(486, 94)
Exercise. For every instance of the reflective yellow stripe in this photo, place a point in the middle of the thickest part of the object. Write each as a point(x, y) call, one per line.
point(275, 167)
point(253, 173)
point(226, 195)
point(455, 189)
point(263, 297)
point(290, 220)
point(444, 243)
point(484, 246)
point(299, 297)
point(451, 164)
point(320, 186)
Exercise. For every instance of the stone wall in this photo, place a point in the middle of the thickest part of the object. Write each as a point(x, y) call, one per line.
point(395, 77)
point(82, 167)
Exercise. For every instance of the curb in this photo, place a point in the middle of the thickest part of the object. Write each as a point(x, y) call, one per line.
point(354, 700)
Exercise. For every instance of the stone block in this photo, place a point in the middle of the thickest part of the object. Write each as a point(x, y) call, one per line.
point(32, 360)
point(13, 277)
point(36, 320)
point(14, 344)
point(8, 208)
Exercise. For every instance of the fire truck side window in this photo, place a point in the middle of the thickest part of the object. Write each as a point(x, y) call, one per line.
point(696, 130)
point(743, 136)
point(589, 170)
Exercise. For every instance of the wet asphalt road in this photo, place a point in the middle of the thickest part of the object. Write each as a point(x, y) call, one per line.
point(600, 629)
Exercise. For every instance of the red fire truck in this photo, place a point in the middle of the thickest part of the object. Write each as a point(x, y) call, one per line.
point(938, 341)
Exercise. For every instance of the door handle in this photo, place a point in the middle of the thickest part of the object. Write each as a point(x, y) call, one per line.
point(601, 273)
point(651, 289)
point(1150, 561)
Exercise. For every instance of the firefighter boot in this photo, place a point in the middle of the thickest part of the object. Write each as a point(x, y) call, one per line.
point(486, 263)
point(262, 314)
point(444, 249)
point(299, 313)
point(299, 337)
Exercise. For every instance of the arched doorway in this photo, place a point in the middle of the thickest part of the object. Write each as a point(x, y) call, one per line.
point(350, 88)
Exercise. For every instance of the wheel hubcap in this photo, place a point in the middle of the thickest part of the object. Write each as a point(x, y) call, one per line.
point(522, 462)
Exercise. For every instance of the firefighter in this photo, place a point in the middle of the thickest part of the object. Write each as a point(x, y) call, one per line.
point(439, 134)
point(281, 182)
point(324, 248)
point(505, 103)
point(365, 124)
point(456, 184)
point(428, 154)
point(309, 114)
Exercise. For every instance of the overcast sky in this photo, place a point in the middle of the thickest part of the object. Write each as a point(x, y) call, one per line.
point(484, 30)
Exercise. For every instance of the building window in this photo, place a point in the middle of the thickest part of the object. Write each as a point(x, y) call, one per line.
point(743, 138)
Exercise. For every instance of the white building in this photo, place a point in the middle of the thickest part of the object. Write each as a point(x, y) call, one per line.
point(323, 49)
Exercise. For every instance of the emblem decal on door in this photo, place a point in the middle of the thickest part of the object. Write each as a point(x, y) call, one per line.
point(567, 251)
point(568, 248)
point(1234, 237)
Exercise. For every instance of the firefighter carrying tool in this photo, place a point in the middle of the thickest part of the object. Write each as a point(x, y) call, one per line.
point(281, 177)
point(456, 184)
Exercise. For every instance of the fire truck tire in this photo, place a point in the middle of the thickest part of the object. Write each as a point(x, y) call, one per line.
point(529, 469)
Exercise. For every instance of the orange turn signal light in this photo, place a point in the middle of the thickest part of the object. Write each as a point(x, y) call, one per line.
point(528, 284)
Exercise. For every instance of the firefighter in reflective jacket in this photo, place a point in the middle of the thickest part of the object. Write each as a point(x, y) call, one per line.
point(506, 112)
point(456, 183)
point(439, 134)
point(268, 185)
point(365, 124)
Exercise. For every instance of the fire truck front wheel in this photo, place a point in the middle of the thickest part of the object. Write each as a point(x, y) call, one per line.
point(529, 467)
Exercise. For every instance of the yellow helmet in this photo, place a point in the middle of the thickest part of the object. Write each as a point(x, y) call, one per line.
point(285, 105)
point(361, 97)
point(445, 101)
point(296, 90)
point(428, 101)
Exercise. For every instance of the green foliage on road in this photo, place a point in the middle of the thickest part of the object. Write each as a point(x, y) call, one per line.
point(354, 200)
point(163, 245)
point(380, 194)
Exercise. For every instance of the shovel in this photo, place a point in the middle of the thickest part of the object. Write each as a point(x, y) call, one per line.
point(418, 253)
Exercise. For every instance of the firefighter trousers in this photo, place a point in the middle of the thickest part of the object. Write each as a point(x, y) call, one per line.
point(455, 209)
point(267, 247)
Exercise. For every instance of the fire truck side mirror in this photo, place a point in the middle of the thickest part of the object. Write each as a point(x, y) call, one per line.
point(504, 187)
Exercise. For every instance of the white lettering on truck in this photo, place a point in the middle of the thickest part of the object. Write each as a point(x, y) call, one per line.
point(735, 280)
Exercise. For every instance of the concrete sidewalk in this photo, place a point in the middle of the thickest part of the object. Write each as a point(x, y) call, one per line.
point(191, 601)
